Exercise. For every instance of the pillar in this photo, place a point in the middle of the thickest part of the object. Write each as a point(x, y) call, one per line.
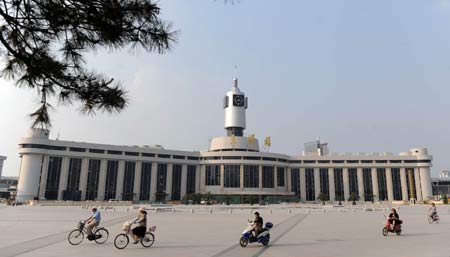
point(302, 184)
point(404, 184)
point(63, 177)
point(184, 169)
point(137, 181)
point(102, 180)
point(120, 177)
point(425, 182)
point(169, 180)
point(222, 177)
point(43, 182)
point(203, 179)
point(331, 185)
point(260, 178)
point(418, 186)
point(316, 182)
point(83, 178)
point(359, 174)
point(345, 179)
point(376, 193)
point(241, 177)
point(288, 183)
point(153, 181)
point(389, 185)
point(275, 179)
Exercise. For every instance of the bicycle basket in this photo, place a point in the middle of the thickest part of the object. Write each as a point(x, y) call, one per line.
point(152, 229)
point(126, 226)
point(80, 225)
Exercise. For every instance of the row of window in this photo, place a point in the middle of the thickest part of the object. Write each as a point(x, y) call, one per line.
point(181, 157)
point(111, 186)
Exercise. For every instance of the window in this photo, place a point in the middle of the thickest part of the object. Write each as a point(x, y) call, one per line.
point(76, 149)
point(212, 175)
point(191, 174)
point(47, 147)
point(111, 179)
point(324, 161)
point(395, 161)
point(267, 176)
point(280, 176)
point(73, 176)
point(366, 161)
point(353, 181)
point(53, 177)
point(309, 161)
point(166, 156)
point(352, 161)
point(232, 157)
point(114, 152)
point(132, 153)
point(146, 179)
point(324, 182)
point(380, 161)
point(295, 181)
point(367, 180)
point(179, 157)
point(282, 160)
point(194, 158)
point(338, 161)
point(382, 187)
point(148, 154)
point(92, 179)
point(396, 184)
point(128, 181)
point(161, 179)
point(295, 161)
point(269, 159)
point(256, 158)
point(410, 178)
point(339, 184)
point(310, 187)
point(251, 176)
point(232, 176)
point(96, 151)
point(176, 182)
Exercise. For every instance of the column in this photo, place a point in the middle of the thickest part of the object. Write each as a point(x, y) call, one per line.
point(404, 184)
point(137, 181)
point(376, 193)
point(302, 184)
point(359, 174)
point(198, 181)
point(275, 179)
point(222, 177)
point(203, 179)
point(44, 173)
point(260, 178)
point(184, 169)
point(417, 182)
point(316, 182)
point(389, 185)
point(345, 179)
point(102, 180)
point(425, 182)
point(83, 178)
point(331, 185)
point(241, 174)
point(63, 177)
point(153, 181)
point(288, 180)
point(120, 177)
point(169, 181)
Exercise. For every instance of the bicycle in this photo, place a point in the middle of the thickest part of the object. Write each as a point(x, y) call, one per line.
point(435, 218)
point(123, 239)
point(76, 236)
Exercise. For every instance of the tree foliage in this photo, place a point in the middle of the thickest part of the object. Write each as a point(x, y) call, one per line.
point(43, 42)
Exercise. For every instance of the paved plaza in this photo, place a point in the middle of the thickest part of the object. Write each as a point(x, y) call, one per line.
point(35, 231)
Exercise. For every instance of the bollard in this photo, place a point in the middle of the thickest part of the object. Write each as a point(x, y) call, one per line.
point(289, 211)
point(354, 210)
point(192, 210)
point(323, 210)
point(307, 211)
point(173, 210)
point(231, 211)
point(114, 209)
point(128, 210)
point(210, 211)
point(270, 211)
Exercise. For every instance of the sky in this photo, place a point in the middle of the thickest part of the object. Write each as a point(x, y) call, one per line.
point(364, 76)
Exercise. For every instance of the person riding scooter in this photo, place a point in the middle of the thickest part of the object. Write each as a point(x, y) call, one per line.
point(257, 224)
point(393, 218)
point(432, 211)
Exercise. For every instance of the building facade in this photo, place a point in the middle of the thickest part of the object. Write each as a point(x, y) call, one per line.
point(233, 166)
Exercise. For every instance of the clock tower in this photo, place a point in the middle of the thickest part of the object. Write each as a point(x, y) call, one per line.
point(235, 104)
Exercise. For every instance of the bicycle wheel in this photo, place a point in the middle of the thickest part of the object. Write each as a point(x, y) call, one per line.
point(101, 235)
point(121, 241)
point(148, 240)
point(75, 237)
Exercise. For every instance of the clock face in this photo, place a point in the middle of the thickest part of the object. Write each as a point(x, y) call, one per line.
point(238, 100)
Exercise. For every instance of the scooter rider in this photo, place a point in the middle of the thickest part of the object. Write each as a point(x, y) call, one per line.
point(257, 224)
point(432, 210)
point(392, 218)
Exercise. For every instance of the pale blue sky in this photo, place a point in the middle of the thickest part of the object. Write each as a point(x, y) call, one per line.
point(364, 76)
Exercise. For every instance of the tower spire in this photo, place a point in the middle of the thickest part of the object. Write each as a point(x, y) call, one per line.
point(235, 80)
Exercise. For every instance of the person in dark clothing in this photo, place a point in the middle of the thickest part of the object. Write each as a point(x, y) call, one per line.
point(257, 224)
point(392, 218)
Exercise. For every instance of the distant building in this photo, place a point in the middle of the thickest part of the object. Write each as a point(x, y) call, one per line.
point(2, 159)
point(234, 167)
point(8, 187)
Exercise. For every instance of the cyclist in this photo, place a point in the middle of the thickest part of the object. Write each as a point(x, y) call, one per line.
point(392, 219)
point(139, 231)
point(432, 211)
point(92, 222)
